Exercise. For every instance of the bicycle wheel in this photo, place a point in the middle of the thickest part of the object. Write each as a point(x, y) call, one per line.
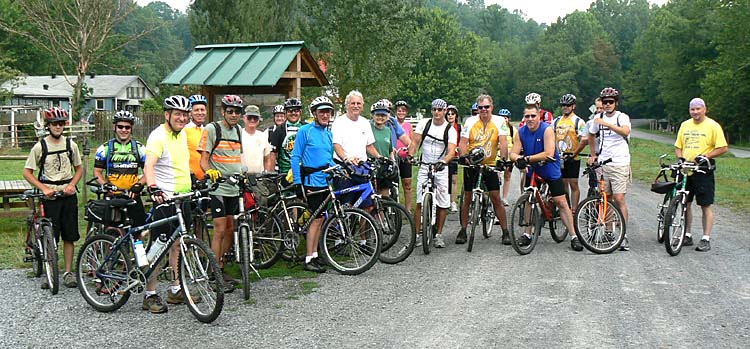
point(662, 214)
point(93, 229)
point(201, 280)
point(556, 226)
point(398, 230)
point(32, 248)
point(524, 219)
point(49, 252)
point(102, 293)
point(350, 244)
point(674, 226)
point(475, 217)
point(488, 217)
point(293, 249)
point(268, 239)
point(600, 225)
point(244, 237)
point(200, 229)
point(426, 223)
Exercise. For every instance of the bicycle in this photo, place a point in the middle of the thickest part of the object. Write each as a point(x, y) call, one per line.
point(98, 215)
point(480, 209)
point(107, 277)
point(599, 223)
point(41, 245)
point(672, 222)
point(428, 192)
point(531, 211)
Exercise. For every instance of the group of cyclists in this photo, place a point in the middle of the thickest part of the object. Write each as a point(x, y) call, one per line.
point(187, 146)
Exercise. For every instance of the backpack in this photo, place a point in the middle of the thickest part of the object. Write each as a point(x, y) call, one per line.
point(218, 138)
point(111, 151)
point(445, 134)
point(45, 152)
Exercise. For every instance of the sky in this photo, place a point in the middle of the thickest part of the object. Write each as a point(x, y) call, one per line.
point(542, 11)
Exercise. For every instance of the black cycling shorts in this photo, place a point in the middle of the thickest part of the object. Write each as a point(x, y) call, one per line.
point(556, 187)
point(490, 179)
point(404, 168)
point(571, 169)
point(702, 187)
point(222, 206)
point(315, 200)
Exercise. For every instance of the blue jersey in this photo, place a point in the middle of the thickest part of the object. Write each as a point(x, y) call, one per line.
point(533, 143)
point(313, 148)
point(396, 130)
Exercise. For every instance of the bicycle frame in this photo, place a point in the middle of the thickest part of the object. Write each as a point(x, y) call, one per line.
point(539, 195)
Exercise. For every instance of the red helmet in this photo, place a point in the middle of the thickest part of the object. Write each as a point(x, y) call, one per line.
point(55, 114)
point(610, 92)
point(232, 101)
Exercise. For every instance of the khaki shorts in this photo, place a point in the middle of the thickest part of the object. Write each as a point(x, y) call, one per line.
point(616, 178)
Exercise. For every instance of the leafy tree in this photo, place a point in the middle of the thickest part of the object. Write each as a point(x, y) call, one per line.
point(229, 21)
point(624, 21)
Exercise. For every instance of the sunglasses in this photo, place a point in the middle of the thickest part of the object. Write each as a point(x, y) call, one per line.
point(124, 127)
point(295, 110)
point(567, 105)
point(57, 123)
point(530, 116)
point(484, 106)
point(232, 111)
point(608, 101)
point(252, 117)
point(437, 109)
point(451, 113)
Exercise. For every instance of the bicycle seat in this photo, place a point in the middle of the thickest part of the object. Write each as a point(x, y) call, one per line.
point(30, 192)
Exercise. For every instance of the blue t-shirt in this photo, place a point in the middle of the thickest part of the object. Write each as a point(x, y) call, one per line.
point(533, 143)
point(396, 130)
point(313, 148)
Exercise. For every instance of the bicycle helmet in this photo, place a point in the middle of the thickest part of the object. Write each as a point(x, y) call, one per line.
point(292, 103)
point(568, 99)
point(662, 187)
point(278, 109)
point(533, 98)
point(474, 107)
point(476, 156)
point(389, 170)
point(198, 99)
point(455, 109)
point(439, 103)
point(379, 106)
point(610, 92)
point(321, 102)
point(232, 101)
point(503, 112)
point(402, 104)
point(177, 102)
point(362, 170)
point(123, 115)
point(55, 114)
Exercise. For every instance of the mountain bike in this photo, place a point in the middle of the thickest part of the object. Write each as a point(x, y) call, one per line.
point(599, 223)
point(481, 210)
point(428, 193)
point(41, 246)
point(107, 277)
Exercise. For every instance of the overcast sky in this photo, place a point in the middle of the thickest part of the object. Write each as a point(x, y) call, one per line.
point(542, 11)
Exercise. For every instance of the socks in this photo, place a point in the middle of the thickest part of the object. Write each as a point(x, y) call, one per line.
point(706, 237)
point(175, 289)
point(147, 294)
point(308, 259)
point(688, 234)
point(315, 255)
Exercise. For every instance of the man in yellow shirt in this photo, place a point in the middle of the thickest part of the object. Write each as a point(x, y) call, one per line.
point(194, 132)
point(700, 139)
point(570, 132)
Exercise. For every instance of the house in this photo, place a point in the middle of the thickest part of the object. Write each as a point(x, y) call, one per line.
point(108, 92)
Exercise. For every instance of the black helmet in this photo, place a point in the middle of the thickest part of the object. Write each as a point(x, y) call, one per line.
point(389, 170)
point(123, 115)
point(292, 103)
point(568, 99)
point(476, 156)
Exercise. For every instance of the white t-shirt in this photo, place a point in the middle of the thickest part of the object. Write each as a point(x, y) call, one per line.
point(254, 148)
point(612, 145)
point(353, 136)
point(433, 148)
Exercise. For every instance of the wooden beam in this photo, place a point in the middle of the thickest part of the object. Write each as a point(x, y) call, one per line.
point(301, 75)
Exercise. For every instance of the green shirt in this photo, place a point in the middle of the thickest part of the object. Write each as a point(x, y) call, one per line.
point(382, 140)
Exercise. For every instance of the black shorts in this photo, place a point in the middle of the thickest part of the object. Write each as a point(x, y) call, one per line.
point(63, 212)
point(702, 187)
point(404, 168)
point(453, 168)
point(556, 187)
point(315, 200)
point(222, 206)
point(490, 179)
point(137, 213)
point(571, 169)
point(169, 211)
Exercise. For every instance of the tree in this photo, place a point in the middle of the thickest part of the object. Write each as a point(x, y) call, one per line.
point(230, 21)
point(72, 32)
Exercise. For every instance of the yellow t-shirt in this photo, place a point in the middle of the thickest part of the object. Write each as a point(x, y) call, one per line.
point(484, 136)
point(568, 133)
point(699, 138)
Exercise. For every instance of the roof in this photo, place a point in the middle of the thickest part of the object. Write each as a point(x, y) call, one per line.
point(256, 64)
point(103, 86)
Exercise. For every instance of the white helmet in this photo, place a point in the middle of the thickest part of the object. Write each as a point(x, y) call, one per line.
point(321, 102)
point(533, 98)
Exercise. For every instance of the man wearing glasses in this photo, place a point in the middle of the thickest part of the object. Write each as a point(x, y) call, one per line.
point(255, 147)
point(536, 140)
point(282, 140)
point(612, 131)
point(488, 132)
point(570, 134)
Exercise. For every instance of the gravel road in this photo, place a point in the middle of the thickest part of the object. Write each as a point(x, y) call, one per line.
point(491, 297)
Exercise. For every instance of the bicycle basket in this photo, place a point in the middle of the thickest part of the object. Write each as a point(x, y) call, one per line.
point(662, 187)
point(103, 211)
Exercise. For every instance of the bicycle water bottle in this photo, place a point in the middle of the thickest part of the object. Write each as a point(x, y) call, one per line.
point(159, 244)
point(140, 253)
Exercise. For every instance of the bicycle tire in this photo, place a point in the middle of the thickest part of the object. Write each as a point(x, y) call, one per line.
point(293, 249)
point(267, 239)
point(597, 236)
point(402, 231)
point(200, 276)
point(519, 223)
point(200, 229)
point(426, 223)
point(341, 242)
point(475, 216)
point(49, 252)
point(244, 237)
point(32, 248)
point(102, 295)
point(660, 217)
point(674, 226)
point(557, 228)
point(488, 217)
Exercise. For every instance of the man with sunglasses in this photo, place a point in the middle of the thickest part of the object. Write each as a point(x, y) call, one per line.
point(255, 147)
point(570, 135)
point(488, 132)
point(117, 162)
point(609, 139)
point(536, 140)
point(282, 140)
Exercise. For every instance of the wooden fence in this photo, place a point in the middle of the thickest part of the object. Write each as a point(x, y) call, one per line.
point(144, 124)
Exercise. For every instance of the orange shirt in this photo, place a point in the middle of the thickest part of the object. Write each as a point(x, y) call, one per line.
point(193, 138)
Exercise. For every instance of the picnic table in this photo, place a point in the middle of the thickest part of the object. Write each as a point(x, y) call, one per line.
point(9, 189)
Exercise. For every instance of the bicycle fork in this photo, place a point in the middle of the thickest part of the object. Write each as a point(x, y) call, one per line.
point(238, 254)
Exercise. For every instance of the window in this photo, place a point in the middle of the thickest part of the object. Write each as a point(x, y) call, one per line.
point(55, 103)
point(136, 92)
point(99, 104)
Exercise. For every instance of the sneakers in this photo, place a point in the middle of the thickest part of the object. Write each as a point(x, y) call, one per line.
point(154, 304)
point(687, 241)
point(524, 240)
point(69, 280)
point(439, 243)
point(179, 297)
point(315, 266)
point(625, 245)
point(575, 244)
point(418, 243)
point(703, 246)
point(505, 203)
point(454, 207)
point(461, 237)
point(506, 238)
